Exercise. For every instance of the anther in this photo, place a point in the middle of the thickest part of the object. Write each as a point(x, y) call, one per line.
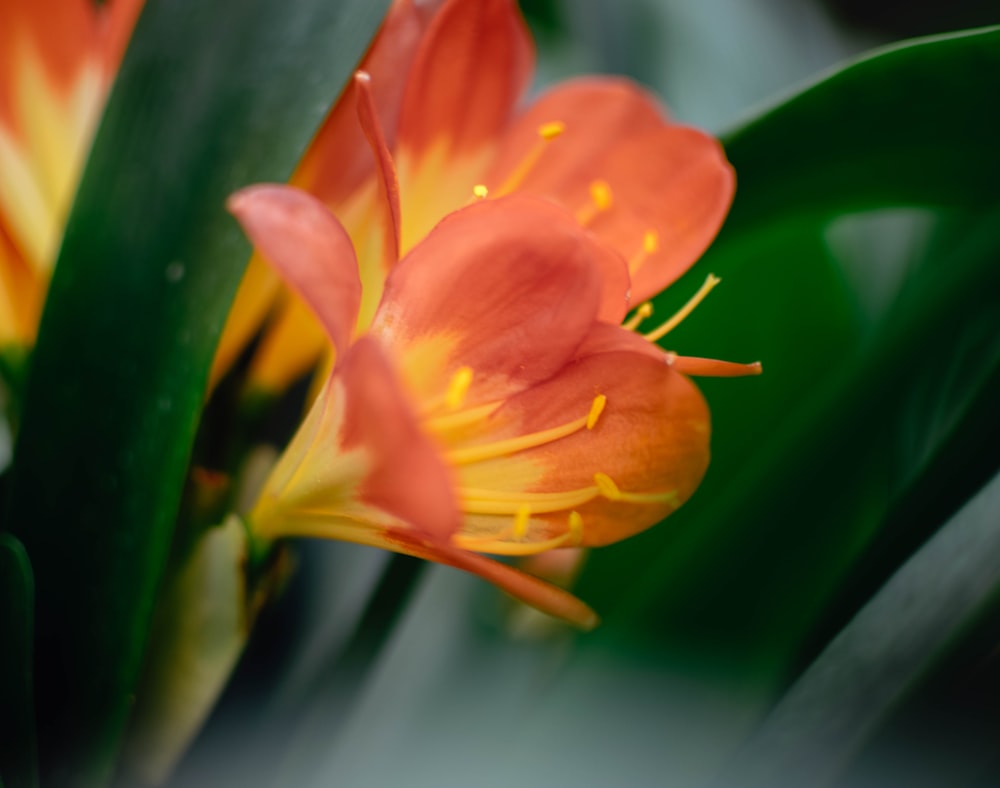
point(607, 487)
point(642, 312)
point(521, 521)
point(685, 310)
point(546, 133)
point(596, 409)
point(480, 192)
point(551, 130)
point(458, 387)
point(575, 527)
point(600, 193)
point(651, 242)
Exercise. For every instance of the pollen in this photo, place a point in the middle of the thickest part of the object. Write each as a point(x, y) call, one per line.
point(521, 521)
point(551, 130)
point(546, 133)
point(600, 193)
point(596, 409)
point(480, 192)
point(651, 242)
point(607, 487)
point(458, 387)
point(575, 527)
point(685, 310)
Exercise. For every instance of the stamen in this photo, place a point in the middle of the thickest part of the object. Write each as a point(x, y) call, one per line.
point(499, 546)
point(643, 311)
point(596, 409)
point(612, 492)
point(489, 451)
point(521, 521)
point(650, 245)
point(607, 487)
point(480, 501)
point(685, 310)
point(463, 418)
point(546, 133)
point(575, 527)
point(601, 199)
point(458, 388)
point(480, 192)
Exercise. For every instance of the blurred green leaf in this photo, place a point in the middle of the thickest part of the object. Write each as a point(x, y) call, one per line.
point(912, 124)
point(211, 96)
point(18, 751)
point(889, 648)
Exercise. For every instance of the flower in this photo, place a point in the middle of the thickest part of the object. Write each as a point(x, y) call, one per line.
point(57, 62)
point(441, 99)
point(494, 405)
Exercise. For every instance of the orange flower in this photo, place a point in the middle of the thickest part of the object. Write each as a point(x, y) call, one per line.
point(441, 101)
point(494, 403)
point(57, 61)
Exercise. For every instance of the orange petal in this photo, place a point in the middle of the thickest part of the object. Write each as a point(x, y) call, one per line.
point(337, 162)
point(676, 182)
point(21, 294)
point(474, 63)
point(408, 479)
point(509, 287)
point(298, 235)
point(596, 113)
point(120, 18)
point(530, 590)
point(651, 440)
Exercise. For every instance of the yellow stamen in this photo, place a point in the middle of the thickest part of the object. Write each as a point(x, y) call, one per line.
point(607, 487)
point(601, 199)
point(644, 310)
point(650, 245)
point(546, 133)
point(612, 492)
point(479, 501)
point(458, 388)
point(685, 310)
point(651, 242)
point(498, 545)
point(480, 192)
point(521, 521)
point(575, 527)
point(489, 451)
point(462, 418)
point(596, 409)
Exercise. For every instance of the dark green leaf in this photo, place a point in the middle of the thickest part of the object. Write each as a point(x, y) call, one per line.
point(211, 96)
point(912, 124)
point(880, 656)
point(18, 755)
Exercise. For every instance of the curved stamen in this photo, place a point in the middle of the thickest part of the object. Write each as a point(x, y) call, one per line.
point(601, 200)
point(546, 133)
point(685, 310)
point(650, 246)
point(711, 368)
point(643, 311)
point(480, 501)
point(489, 451)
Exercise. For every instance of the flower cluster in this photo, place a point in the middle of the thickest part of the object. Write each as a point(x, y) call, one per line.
point(489, 393)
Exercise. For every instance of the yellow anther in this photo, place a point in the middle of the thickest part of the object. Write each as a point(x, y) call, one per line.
point(546, 133)
point(521, 521)
point(458, 387)
point(551, 130)
point(607, 487)
point(596, 409)
point(480, 192)
point(575, 527)
point(600, 193)
point(502, 448)
point(643, 311)
point(685, 310)
point(651, 242)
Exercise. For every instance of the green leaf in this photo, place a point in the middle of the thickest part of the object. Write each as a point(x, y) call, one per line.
point(885, 651)
point(211, 97)
point(912, 124)
point(18, 752)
